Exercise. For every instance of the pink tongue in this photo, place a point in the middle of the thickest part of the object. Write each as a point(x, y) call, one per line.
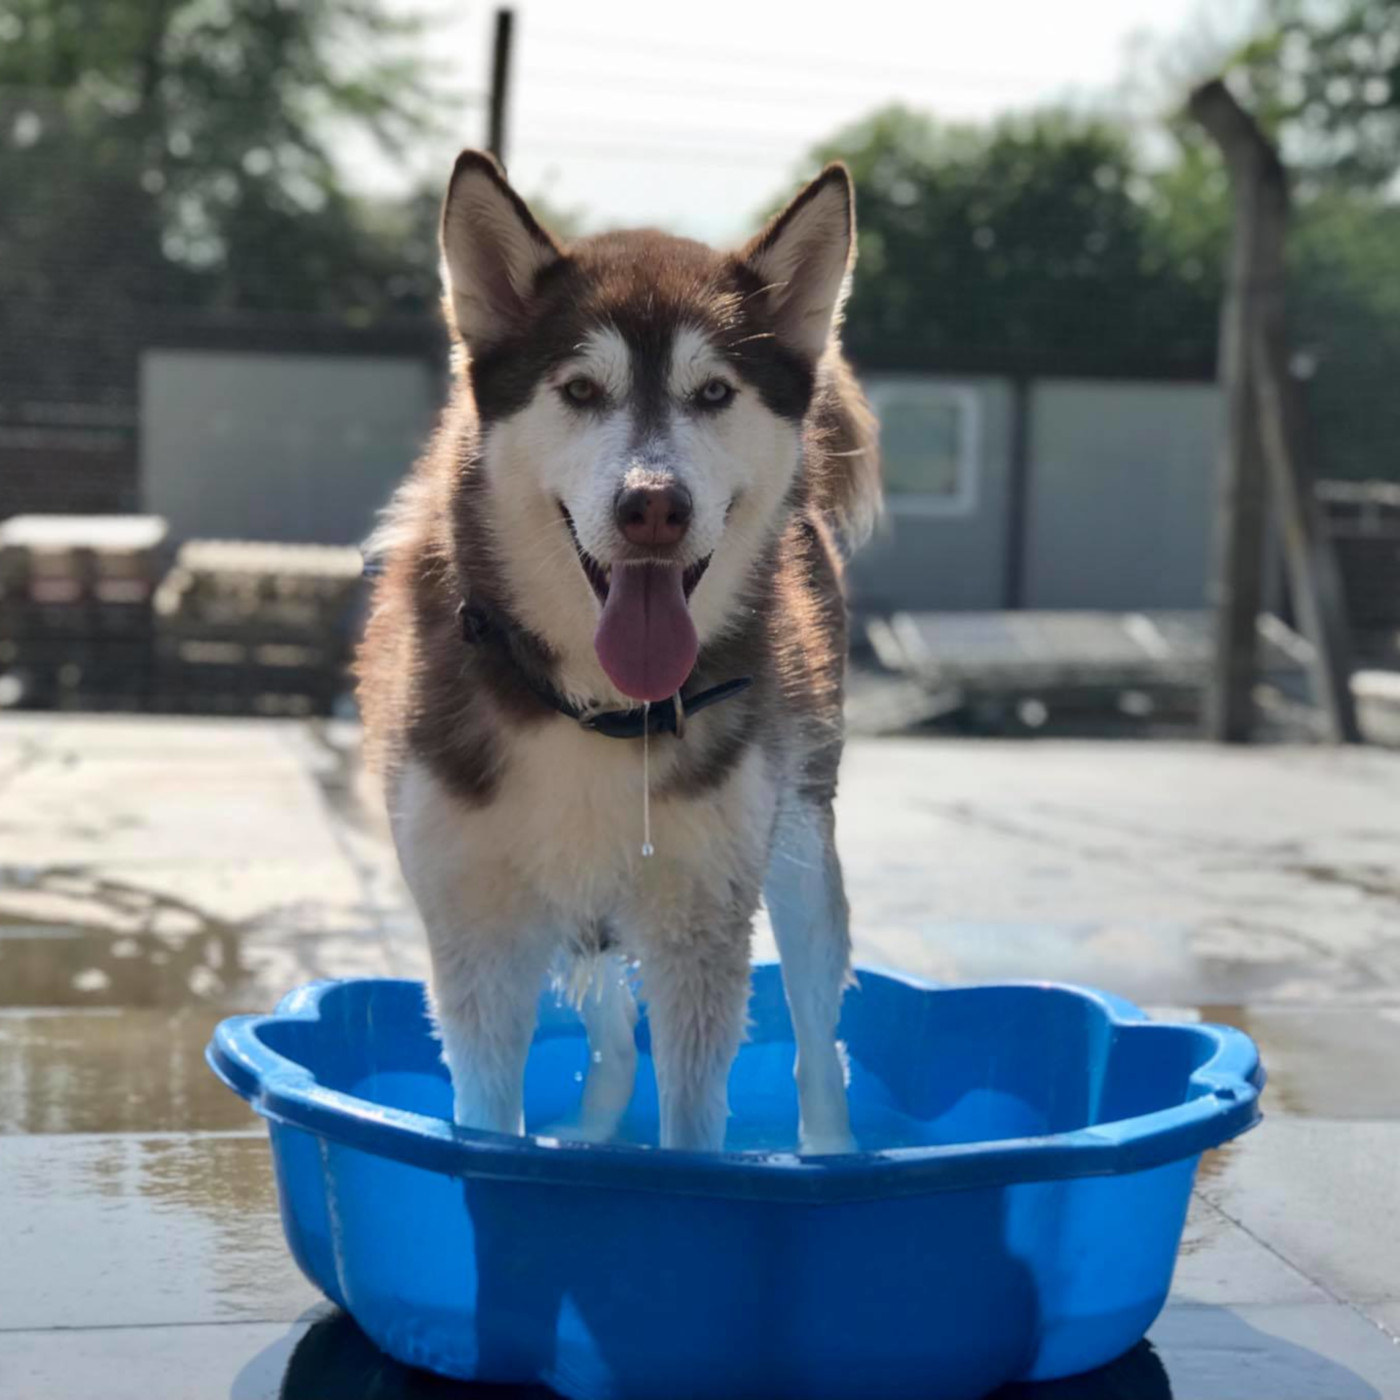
point(645, 639)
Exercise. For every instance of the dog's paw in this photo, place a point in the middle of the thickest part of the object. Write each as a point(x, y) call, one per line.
point(829, 1144)
point(572, 1130)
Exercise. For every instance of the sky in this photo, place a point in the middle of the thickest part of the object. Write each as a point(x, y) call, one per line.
point(696, 117)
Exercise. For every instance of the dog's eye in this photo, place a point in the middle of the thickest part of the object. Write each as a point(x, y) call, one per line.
point(582, 390)
point(715, 393)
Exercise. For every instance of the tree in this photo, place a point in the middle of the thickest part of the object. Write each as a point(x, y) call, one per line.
point(1049, 242)
point(1345, 261)
point(1030, 241)
point(1326, 75)
point(189, 141)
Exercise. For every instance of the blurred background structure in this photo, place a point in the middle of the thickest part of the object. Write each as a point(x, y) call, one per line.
point(218, 279)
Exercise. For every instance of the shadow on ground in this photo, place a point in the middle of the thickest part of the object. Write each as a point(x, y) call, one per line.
point(1231, 1361)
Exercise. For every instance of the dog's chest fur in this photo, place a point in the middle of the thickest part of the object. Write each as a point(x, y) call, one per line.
point(570, 812)
point(561, 839)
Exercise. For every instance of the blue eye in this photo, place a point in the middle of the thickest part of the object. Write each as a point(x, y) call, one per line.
point(582, 391)
point(715, 393)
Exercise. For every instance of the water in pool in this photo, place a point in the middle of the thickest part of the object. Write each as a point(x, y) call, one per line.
point(763, 1102)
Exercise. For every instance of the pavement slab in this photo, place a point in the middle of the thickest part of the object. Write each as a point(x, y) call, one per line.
point(156, 875)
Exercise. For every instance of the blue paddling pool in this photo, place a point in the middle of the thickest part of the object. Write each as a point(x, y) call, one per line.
point(1027, 1154)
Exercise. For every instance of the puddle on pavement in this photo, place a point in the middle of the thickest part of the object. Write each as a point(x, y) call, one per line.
point(72, 939)
point(109, 992)
point(118, 1231)
point(1323, 1062)
point(53, 965)
point(1150, 963)
point(107, 1071)
point(108, 996)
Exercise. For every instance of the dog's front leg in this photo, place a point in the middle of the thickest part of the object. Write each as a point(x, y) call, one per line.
point(807, 906)
point(491, 941)
point(486, 988)
point(696, 987)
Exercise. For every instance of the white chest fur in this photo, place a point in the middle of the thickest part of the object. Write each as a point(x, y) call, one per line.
point(561, 838)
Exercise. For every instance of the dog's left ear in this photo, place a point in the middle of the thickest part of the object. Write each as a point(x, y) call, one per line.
point(805, 256)
point(492, 251)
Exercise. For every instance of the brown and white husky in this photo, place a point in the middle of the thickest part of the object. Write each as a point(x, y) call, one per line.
point(629, 518)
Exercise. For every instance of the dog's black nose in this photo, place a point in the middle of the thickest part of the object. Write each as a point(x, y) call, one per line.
point(654, 514)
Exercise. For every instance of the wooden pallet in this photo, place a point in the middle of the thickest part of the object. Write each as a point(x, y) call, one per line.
point(1081, 660)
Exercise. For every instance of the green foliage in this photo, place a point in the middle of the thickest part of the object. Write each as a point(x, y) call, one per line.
point(1344, 297)
point(1036, 240)
point(187, 141)
point(1048, 243)
point(1345, 310)
point(1326, 75)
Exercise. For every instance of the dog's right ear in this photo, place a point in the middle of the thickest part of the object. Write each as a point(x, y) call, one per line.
point(804, 256)
point(492, 251)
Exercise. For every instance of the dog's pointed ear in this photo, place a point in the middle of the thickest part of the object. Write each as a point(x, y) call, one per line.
point(805, 256)
point(492, 251)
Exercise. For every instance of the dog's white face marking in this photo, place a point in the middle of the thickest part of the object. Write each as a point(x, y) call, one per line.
point(603, 357)
point(693, 363)
point(645, 423)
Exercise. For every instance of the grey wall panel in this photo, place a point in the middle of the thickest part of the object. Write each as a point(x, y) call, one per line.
point(932, 557)
point(278, 447)
point(1121, 494)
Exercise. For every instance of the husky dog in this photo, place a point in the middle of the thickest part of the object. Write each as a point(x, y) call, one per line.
point(627, 521)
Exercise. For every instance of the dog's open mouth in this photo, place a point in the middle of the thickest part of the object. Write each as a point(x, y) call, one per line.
point(646, 641)
point(599, 575)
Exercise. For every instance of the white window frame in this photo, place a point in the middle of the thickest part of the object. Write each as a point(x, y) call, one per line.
point(963, 501)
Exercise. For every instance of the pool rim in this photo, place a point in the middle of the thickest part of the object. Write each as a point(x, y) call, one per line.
point(1223, 1103)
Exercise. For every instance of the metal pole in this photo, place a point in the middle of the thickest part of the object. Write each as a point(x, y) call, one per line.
point(500, 84)
point(1013, 574)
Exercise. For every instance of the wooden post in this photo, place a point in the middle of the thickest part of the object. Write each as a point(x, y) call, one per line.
point(500, 84)
point(1239, 525)
point(1267, 421)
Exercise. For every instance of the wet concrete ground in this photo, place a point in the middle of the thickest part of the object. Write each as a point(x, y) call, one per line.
point(155, 875)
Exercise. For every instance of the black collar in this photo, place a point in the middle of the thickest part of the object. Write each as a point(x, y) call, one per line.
point(665, 717)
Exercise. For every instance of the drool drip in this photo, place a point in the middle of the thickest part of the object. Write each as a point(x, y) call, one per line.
point(647, 848)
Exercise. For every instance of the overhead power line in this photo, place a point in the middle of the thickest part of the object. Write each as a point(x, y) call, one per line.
point(682, 87)
point(768, 61)
point(640, 150)
point(782, 143)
